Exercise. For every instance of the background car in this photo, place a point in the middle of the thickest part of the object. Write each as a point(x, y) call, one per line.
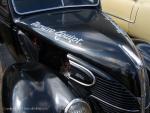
point(132, 15)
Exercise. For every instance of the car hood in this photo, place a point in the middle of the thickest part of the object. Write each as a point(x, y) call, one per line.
point(92, 36)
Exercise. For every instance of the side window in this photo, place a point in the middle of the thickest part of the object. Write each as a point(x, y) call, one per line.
point(4, 8)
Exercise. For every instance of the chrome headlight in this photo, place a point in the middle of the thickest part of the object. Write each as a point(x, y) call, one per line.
point(78, 106)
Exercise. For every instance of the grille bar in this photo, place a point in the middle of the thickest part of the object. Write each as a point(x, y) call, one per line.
point(115, 95)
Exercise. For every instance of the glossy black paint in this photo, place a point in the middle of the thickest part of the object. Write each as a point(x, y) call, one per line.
point(144, 48)
point(32, 88)
point(93, 37)
point(101, 42)
point(89, 38)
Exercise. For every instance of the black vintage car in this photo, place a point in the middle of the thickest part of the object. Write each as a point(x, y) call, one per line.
point(67, 56)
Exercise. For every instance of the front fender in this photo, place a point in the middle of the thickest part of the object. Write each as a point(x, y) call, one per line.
point(32, 88)
point(144, 48)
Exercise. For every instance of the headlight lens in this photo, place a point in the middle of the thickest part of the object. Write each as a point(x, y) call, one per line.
point(78, 106)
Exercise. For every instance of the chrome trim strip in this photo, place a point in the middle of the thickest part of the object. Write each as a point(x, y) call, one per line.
point(127, 20)
point(75, 101)
point(142, 75)
point(49, 9)
point(114, 105)
point(68, 75)
point(83, 63)
point(124, 19)
point(132, 56)
point(140, 66)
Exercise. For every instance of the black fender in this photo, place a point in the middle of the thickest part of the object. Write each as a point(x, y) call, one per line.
point(144, 48)
point(32, 88)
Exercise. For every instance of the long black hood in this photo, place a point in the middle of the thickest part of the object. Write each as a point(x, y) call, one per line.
point(91, 35)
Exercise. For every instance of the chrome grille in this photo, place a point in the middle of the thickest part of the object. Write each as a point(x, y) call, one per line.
point(111, 94)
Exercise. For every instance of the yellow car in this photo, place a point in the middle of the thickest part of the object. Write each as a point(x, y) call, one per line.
point(132, 15)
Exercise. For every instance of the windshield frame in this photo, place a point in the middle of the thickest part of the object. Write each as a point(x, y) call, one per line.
point(55, 8)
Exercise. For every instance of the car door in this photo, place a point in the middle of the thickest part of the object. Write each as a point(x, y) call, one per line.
point(141, 27)
point(120, 11)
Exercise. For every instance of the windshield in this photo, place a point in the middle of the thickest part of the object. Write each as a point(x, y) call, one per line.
point(31, 6)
